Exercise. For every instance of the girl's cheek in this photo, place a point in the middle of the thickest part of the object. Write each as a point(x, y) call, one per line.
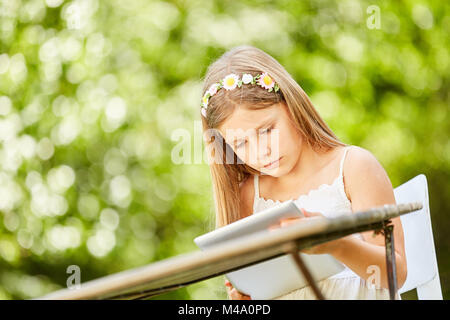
point(286, 141)
point(248, 154)
point(252, 158)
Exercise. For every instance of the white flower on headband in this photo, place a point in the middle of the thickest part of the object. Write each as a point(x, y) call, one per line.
point(247, 78)
point(232, 81)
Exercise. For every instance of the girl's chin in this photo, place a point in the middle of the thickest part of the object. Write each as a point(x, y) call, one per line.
point(275, 172)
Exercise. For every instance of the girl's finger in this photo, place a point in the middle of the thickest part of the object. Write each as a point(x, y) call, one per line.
point(286, 222)
point(309, 213)
point(229, 293)
point(236, 295)
point(291, 219)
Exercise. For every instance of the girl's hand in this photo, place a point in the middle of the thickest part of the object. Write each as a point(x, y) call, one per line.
point(233, 294)
point(326, 247)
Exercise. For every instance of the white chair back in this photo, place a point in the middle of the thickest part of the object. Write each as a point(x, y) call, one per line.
point(423, 273)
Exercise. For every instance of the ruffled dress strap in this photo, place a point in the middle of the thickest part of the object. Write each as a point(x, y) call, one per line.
point(341, 167)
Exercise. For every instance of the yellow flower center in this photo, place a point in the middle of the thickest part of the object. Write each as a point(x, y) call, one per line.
point(230, 82)
point(267, 80)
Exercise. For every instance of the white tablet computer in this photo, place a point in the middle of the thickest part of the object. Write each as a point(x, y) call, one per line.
point(275, 277)
point(257, 222)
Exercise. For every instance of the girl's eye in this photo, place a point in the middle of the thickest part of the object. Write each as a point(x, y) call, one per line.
point(267, 130)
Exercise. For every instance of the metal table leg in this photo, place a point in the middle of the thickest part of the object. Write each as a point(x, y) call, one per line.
point(292, 249)
point(390, 261)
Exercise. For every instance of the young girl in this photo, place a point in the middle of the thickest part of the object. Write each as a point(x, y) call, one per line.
point(250, 98)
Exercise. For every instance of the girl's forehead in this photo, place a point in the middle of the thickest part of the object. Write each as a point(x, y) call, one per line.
point(247, 118)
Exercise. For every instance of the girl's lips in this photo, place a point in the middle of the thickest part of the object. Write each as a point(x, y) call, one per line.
point(272, 164)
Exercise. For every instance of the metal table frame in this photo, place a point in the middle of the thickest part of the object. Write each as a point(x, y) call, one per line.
point(185, 269)
point(387, 231)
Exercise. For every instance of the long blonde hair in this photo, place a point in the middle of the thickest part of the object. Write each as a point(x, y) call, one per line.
point(226, 176)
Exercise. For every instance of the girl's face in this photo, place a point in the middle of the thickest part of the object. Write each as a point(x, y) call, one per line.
point(265, 139)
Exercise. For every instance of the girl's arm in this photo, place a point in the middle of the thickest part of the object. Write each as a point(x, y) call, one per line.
point(368, 185)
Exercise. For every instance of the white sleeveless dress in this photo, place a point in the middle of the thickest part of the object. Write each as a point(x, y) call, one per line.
point(330, 200)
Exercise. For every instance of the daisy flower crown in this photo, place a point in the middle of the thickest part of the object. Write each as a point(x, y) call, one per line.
point(232, 81)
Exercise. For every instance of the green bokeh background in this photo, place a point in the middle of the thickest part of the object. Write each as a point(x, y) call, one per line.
point(92, 91)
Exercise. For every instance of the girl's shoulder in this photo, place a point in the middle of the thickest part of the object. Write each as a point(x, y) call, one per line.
point(362, 169)
point(358, 158)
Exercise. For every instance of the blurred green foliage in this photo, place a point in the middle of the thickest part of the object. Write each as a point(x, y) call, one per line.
point(91, 92)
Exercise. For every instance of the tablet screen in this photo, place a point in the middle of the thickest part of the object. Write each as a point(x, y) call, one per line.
point(256, 222)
